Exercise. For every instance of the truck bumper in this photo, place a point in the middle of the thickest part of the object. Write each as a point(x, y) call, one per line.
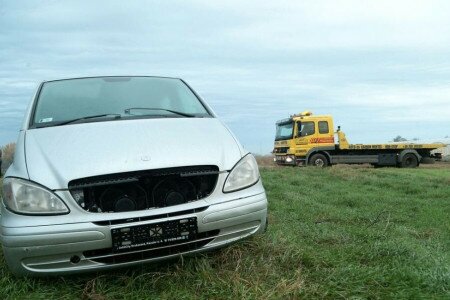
point(285, 160)
point(295, 160)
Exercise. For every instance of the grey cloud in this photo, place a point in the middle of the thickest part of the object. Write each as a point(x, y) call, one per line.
point(229, 54)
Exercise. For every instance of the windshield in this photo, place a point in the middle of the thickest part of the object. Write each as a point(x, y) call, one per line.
point(284, 131)
point(64, 101)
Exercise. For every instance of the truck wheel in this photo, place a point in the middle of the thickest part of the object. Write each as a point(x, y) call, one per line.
point(318, 160)
point(409, 161)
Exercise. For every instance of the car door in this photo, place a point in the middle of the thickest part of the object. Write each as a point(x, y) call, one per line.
point(306, 136)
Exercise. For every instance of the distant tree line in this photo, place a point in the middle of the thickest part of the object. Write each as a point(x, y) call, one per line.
point(7, 156)
point(399, 138)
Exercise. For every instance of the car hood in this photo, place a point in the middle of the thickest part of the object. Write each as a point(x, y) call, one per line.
point(57, 155)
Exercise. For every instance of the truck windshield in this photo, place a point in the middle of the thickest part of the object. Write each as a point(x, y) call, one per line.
point(284, 131)
point(62, 102)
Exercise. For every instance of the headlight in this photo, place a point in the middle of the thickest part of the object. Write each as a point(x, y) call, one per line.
point(24, 197)
point(244, 174)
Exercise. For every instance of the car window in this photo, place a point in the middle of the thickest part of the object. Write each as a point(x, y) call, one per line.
point(306, 128)
point(323, 127)
point(284, 131)
point(77, 98)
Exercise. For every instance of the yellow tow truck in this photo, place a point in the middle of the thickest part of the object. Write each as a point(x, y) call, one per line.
point(307, 139)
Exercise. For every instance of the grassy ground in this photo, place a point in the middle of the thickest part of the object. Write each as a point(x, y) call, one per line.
point(340, 232)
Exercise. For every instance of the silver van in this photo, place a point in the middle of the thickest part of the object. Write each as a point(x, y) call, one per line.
point(117, 171)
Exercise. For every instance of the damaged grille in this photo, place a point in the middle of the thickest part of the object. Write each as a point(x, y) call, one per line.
point(132, 191)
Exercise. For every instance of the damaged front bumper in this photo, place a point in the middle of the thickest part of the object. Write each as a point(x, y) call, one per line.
point(78, 247)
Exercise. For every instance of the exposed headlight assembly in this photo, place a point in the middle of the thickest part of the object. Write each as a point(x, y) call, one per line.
point(24, 197)
point(244, 174)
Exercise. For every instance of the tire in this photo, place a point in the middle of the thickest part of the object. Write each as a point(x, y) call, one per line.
point(318, 160)
point(409, 161)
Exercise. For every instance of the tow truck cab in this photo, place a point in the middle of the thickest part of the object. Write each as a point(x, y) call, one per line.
point(305, 139)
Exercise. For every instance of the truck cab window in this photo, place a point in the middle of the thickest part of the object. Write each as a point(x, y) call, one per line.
point(284, 131)
point(323, 127)
point(306, 129)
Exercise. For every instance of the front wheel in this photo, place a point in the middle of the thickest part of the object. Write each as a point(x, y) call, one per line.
point(318, 160)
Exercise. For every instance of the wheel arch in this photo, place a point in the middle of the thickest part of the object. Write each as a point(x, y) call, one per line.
point(322, 150)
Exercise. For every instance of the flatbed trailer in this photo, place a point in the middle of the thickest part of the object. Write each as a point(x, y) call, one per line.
point(305, 139)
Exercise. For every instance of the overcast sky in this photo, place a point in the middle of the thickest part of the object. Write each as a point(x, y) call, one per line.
point(382, 68)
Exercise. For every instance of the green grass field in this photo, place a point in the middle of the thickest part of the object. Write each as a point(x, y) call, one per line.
point(340, 232)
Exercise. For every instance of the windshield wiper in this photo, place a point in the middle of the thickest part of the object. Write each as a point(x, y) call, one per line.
point(117, 116)
point(127, 111)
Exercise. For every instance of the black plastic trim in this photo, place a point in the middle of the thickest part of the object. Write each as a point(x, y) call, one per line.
point(124, 177)
point(149, 218)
